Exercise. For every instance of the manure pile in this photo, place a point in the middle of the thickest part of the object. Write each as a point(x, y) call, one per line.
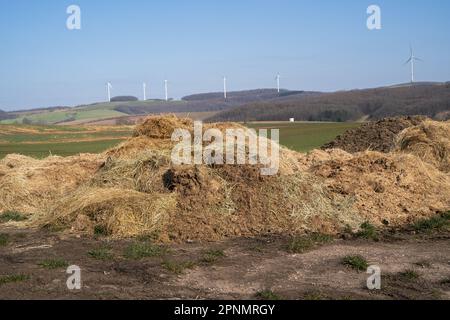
point(375, 136)
point(134, 189)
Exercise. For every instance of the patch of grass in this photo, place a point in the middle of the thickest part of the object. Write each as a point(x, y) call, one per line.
point(12, 216)
point(4, 239)
point(177, 267)
point(410, 286)
point(103, 253)
point(304, 137)
point(355, 262)
point(368, 231)
point(306, 243)
point(140, 250)
point(268, 295)
point(439, 222)
point(53, 264)
point(13, 278)
point(212, 256)
point(409, 275)
point(445, 281)
point(64, 149)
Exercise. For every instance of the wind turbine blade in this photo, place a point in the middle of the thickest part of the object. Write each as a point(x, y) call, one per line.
point(418, 59)
point(409, 60)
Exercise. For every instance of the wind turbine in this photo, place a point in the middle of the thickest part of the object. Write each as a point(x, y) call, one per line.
point(166, 90)
point(278, 82)
point(225, 87)
point(412, 59)
point(144, 86)
point(108, 88)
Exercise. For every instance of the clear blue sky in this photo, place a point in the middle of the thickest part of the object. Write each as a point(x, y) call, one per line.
point(314, 45)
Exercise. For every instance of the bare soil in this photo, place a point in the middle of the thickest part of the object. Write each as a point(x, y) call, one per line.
point(376, 136)
point(249, 266)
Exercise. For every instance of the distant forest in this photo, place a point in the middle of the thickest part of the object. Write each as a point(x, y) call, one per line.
point(4, 115)
point(432, 100)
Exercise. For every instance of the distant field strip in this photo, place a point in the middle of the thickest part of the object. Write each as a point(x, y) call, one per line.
point(305, 136)
point(41, 141)
point(61, 116)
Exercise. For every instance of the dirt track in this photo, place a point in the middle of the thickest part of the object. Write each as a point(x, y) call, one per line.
point(248, 267)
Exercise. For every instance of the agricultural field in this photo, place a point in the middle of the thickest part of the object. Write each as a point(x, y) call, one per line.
point(41, 141)
point(306, 136)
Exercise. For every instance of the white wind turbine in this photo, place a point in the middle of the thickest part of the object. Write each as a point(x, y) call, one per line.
point(278, 82)
point(412, 59)
point(108, 89)
point(144, 87)
point(166, 89)
point(225, 87)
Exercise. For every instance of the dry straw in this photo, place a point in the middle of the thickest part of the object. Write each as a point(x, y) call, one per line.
point(133, 189)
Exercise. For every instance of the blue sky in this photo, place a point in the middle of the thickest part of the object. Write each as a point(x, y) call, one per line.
point(314, 45)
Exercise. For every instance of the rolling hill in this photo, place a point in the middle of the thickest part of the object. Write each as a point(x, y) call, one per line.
point(429, 99)
point(210, 102)
point(426, 98)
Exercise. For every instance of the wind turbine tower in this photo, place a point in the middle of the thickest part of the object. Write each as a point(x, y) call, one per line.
point(278, 82)
point(166, 90)
point(144, 86)
point(225, 87)
point(412, 59)
point(108, 88)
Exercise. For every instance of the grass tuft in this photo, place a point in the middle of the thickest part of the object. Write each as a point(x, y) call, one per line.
point(409, 275)
point(4, 239)
point(368, 231)
point(355, 262)
point(13, 278)
point(103, 254)
point(140, 250)
point(305, 243)
point(53, 264)
point(212, 256)
point(268, 295)
point(12, 216)
point(439, 222)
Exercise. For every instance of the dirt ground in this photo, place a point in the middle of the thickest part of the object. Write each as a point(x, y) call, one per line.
point(233, 269)
point(377, 135)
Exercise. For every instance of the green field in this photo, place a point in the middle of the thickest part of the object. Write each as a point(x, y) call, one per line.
point(92, 112)
point(61, 116)
point(41, 141)
point(306, 136)
point(60, 149)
